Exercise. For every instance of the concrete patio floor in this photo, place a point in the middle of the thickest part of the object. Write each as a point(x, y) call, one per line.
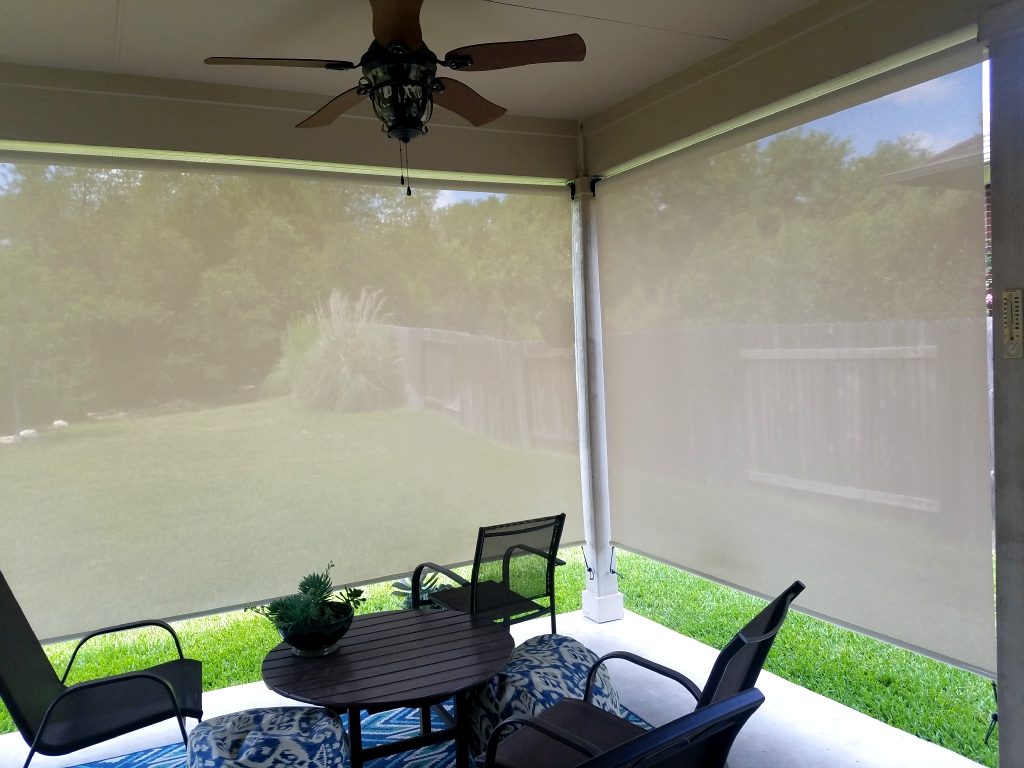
point(794, 728)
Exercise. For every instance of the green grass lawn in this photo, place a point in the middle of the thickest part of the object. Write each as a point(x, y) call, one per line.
point(335, 473)
point(935, 701)
point(226, 506)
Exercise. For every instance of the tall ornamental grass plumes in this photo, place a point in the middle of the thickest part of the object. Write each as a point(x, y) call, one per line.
point(340, 358)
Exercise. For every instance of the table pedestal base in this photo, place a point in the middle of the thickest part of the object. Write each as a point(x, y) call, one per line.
point(457, 730)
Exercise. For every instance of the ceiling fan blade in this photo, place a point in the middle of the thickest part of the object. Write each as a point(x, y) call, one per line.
point(467, 103)
point(333, 109)
point(517, 54)
point(263, 62)
point(397, 21)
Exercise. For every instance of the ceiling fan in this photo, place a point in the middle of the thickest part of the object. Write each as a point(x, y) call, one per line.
point(400, 72)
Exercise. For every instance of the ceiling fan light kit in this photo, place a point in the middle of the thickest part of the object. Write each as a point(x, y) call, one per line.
point(400, 72)
point(400, 85)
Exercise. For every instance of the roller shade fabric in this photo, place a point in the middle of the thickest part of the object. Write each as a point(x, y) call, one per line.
point(796, 347)
point(260, 373)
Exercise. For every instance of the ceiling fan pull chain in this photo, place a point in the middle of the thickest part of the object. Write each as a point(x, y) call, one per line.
point(404, 167)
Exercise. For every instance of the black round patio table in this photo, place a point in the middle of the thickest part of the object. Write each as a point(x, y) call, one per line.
point(398, 659)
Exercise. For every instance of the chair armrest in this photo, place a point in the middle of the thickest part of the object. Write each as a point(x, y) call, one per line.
point(552, 731)
point(751, 639)
point(672, 674)
point(123, 628)
point(534, 551)
point(417, 578)
point(71, 691)
point(506, 561)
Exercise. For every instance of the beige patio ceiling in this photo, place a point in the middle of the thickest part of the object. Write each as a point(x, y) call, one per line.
point(630, 45)
point(130, 74)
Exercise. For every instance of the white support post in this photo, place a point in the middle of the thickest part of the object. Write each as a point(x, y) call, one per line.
point(602, 600)
point(1002, 28)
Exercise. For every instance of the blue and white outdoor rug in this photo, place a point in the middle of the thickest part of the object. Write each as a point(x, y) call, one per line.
point(384, 726)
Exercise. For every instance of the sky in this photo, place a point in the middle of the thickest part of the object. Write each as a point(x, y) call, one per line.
point(448, 197)
point(937, 114)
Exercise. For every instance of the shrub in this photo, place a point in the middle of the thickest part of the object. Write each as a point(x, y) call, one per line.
point(296, 343)
point(340, 358)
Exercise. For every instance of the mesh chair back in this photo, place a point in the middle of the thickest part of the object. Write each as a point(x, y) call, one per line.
point(701, 739)
point(738, 665)
point(520, 555)
point(27, 681)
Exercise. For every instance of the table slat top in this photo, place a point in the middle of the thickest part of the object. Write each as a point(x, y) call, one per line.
point(397, 658)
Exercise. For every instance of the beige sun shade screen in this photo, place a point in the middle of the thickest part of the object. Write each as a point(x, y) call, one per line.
point(260, 374)
point(796, 354)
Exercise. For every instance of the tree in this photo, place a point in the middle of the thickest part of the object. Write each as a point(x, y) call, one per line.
point(126, 288)
point(795, 228)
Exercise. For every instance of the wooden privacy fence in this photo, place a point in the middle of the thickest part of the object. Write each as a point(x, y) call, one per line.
point(892, 413)
point(520, 393)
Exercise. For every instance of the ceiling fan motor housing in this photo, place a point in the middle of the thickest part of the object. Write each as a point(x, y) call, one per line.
point(401, 85)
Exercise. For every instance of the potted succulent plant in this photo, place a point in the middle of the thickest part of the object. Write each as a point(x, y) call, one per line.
point(314, 620)
point(431, 583)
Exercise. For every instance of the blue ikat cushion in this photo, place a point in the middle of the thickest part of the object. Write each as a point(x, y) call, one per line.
point(297, 737)
point(541, 671)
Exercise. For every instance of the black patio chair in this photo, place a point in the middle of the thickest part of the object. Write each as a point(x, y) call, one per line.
point(574, 733)
point(55, 718)
point(739, 662)
point(513, 577)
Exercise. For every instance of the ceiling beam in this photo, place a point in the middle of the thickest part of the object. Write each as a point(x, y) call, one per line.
point(823, 48)
point(97, 109)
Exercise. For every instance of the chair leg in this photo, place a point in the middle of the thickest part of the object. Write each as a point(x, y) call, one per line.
point(181, 725)
point(35, 741)
point(553, 630)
